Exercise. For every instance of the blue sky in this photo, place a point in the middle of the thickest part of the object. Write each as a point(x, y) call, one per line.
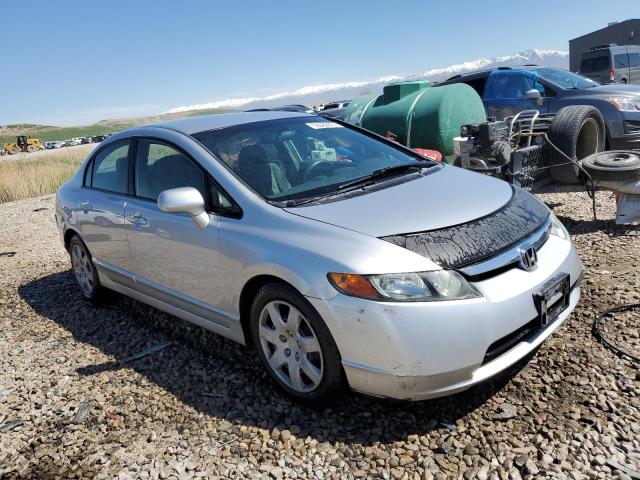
point(76, 62)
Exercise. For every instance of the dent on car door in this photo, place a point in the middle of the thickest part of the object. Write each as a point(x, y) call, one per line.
point(101, 206)
point(169, 253)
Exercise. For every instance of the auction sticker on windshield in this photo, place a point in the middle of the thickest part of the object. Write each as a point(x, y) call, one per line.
point(318, 125)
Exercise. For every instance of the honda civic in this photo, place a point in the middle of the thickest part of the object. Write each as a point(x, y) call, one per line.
point(339, 257)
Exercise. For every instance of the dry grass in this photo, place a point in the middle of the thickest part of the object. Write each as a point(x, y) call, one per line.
point(37, 174)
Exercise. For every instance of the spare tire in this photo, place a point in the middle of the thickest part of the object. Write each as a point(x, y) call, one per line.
point(578, 131)
point(615, 165)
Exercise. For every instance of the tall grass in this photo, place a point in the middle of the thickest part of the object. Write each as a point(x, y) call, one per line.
point(39, 173)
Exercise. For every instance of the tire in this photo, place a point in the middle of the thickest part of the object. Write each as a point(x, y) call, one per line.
point(277, 341)
point(13, 151)
point(31, 148)
point(578, 131)
point(615, 165)
point(623, 81)
point(84, 271)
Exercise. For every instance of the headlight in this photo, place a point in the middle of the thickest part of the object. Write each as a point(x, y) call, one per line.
point(626, 104)
point(405, 287)
point(557, 228)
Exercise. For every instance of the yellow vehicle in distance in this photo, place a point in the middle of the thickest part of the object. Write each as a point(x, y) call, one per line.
point(23, 144)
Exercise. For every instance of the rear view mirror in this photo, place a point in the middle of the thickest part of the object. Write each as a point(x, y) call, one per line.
point(534, 95)
point(185, 200)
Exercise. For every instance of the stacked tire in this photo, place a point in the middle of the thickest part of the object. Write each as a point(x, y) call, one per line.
point(613, 166)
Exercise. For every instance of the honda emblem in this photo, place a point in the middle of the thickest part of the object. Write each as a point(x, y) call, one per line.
point(528, 259)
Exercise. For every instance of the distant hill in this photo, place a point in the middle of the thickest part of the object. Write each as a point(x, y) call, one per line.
point(47, 133)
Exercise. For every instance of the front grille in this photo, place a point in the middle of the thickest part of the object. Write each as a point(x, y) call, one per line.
point(526, 331)
point(507, 342)
point(632, 126)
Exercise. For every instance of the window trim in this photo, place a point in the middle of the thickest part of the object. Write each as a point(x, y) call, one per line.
point(209, 180)
point(92, 161)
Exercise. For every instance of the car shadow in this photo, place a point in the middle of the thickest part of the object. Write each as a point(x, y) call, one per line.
point(221, 378)
point(607, 226)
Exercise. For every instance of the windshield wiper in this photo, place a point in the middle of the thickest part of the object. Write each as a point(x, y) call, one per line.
point(382, 172)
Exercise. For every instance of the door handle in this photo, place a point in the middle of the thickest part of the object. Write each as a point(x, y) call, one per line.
point(137, 219)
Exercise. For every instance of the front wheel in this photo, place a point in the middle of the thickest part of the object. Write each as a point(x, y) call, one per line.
point(295, 345)
point(84, 270)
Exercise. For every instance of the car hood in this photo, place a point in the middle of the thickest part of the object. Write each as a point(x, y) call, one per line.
point(611, 90)
point(449, 196)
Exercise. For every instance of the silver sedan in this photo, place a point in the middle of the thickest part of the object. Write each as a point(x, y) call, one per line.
point(340, 257)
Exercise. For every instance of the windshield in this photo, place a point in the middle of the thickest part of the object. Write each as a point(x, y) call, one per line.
point(303, 157)
point(565, 79)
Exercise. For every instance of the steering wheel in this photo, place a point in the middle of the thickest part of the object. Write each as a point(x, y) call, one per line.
point(317, 168)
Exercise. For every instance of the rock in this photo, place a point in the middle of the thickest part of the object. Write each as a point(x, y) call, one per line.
point(506, 411)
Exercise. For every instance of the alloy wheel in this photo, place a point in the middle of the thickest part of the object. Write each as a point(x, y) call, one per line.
point(290, 346)
point(82, 269)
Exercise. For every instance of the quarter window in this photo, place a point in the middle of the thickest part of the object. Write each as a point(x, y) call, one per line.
point(111, 169)
point(160, 167)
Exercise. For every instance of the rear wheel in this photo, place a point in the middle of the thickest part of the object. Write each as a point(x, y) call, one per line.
point(578, 131)
point(84, 270)
point(295, 345)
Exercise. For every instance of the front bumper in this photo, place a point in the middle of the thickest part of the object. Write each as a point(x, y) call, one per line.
point(415, 351)
point(626, 133)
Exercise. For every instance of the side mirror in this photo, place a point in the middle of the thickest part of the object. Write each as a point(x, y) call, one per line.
point(184, 200)
point(533, 95)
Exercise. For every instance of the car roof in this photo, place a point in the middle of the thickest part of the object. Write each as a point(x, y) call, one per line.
point(489, 70)
point(192, 125)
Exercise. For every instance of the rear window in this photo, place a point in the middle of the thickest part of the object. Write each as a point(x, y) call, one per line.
point(596, 64)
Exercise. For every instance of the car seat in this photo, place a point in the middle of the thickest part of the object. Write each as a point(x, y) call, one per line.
point(265, 176)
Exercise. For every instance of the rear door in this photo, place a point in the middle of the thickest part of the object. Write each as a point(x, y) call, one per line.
point(101, 209)
point(169, 254)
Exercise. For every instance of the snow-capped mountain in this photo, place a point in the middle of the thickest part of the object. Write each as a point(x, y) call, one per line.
point(314, 94)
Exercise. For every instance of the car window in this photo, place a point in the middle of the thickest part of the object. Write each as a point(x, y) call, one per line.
point(565, 78)
point(111, 169)
point(160, 167)
point(295, 158)
point(621, 60)
point(634, 59)
point(477, 84)
point(508, 85)
point(597, 64)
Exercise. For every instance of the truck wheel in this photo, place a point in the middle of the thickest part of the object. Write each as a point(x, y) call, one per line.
point(615, 165)
point(31, 148)
point(13, 151)
point(578, 131)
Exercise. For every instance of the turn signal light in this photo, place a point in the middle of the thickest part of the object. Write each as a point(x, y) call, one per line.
point(352, 284)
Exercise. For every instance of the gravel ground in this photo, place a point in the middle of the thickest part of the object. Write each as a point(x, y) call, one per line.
point(73, 405)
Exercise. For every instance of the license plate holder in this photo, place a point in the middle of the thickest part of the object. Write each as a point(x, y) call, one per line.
point(552, 298)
